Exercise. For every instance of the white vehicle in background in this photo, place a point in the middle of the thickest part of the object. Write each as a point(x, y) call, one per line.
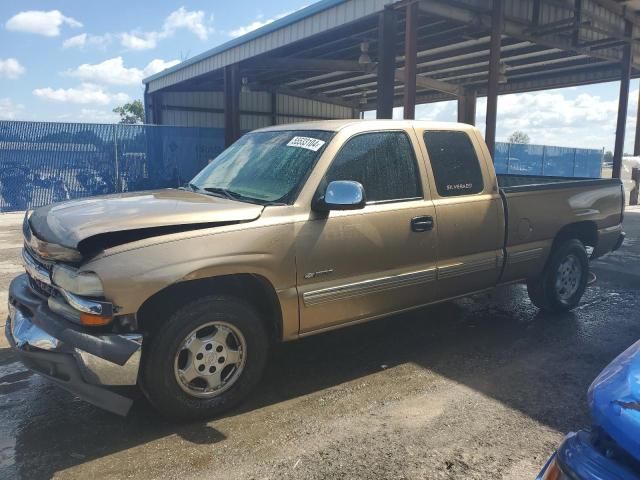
point(628, 164)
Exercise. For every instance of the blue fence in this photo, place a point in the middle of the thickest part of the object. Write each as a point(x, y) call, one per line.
point(41, 163)
point(550, 161)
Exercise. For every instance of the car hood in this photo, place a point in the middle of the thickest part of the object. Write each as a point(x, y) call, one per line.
point(70, 223)
point(614, 399)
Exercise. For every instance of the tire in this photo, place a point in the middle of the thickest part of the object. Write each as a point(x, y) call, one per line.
point(560, 286)
point(169, 360)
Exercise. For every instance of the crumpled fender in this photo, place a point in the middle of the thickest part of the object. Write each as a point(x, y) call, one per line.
point(614, 400)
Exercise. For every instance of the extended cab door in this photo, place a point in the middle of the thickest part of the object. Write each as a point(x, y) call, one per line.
point(355, 265)
point(469, 211)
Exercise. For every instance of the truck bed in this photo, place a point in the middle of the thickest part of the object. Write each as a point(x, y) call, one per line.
point(522, 183)
point(537, 208)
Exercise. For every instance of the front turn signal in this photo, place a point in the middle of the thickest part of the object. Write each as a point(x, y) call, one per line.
point(89, 320)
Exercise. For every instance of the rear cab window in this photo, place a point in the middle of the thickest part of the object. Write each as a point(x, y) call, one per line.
point(455, 164)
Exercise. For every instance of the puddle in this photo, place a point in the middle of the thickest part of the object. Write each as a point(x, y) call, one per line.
point(13, 377)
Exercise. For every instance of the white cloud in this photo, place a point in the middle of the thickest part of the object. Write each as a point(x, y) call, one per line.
point(87, 93)
point(256, 24)
point(182, 19)
point(157, 65)
point(568, 117)
point(11, 68)
point(89, 115)
point(114, 72)
point(94, 115)
point(77, 41)
point(555, 117)
point(84, 40)
point(40, 22)
point(10, 110)
point(139, 41)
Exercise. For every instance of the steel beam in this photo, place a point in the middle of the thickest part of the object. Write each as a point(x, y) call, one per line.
point(636, 147)
point(294, 92)
point(410, 60)
point(232, 85)
point(467, 102)
point(305, 64)
point(623, 105)
point(497, 18)
point(511, 28)
point(386, 62)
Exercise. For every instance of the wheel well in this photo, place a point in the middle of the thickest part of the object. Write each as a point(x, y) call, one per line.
point(586, 232)
point(254, 288)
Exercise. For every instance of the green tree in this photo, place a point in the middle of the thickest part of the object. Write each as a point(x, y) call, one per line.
point(132, 112)
point(608, 157)
point(519, 137)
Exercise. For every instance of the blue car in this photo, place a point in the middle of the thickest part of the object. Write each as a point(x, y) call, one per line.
point(611, 449)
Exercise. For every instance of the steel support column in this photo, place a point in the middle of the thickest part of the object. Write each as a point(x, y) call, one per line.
point(497, 20)
point(148, 113)
point(623, 105)
point(467, 102)
point(410, 61)
point(232, 85)
point(274, 108)
point(386, 62)
point(156, 108)
point(636, 147)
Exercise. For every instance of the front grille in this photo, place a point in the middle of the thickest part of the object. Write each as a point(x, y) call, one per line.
point(41, 287)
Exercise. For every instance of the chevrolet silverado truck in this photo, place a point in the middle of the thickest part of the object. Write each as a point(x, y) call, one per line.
point(292, 231)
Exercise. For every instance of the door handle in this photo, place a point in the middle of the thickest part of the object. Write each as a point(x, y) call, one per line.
point(422, 224)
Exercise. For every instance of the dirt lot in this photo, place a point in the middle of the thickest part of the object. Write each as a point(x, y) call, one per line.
point(475, 389)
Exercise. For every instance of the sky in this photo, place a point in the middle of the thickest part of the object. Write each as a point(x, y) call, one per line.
point(75, 60)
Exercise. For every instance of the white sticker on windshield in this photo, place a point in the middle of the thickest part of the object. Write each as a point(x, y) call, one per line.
point(309, 143)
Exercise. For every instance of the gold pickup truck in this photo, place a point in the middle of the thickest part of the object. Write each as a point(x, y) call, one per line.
point(292, 231)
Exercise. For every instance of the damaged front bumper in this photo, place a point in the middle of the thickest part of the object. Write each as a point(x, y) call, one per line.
point(73, 357)
point(581, 458)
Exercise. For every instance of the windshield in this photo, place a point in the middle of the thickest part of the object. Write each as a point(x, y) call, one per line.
point(264, 167)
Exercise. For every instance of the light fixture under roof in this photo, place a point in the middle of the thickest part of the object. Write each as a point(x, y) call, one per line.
point(364, 59)
point(502, 74)
point(245, 85)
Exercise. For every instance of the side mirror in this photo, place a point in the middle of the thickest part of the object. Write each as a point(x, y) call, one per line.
point(341, 195)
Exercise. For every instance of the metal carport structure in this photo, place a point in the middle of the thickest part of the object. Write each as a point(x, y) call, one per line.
point(337, 58)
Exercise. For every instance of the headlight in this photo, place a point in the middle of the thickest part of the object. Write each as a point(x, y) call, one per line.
point(85, 284)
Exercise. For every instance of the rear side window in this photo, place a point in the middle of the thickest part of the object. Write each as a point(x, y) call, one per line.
point(383, 162)
point(454, 162)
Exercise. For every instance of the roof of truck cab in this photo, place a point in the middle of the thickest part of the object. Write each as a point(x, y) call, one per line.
point(337, 125)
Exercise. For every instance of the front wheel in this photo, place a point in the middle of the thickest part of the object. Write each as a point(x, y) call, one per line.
point(559, 288)
point(205, 359)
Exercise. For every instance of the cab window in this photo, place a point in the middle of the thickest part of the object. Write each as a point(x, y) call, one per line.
point(383, 162)
point(454, 163)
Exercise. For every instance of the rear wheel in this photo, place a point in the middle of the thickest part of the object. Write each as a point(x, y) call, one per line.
point(205, 359)
point(562, 283)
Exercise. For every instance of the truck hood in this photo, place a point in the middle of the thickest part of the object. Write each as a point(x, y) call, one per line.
point(153, 213)
point(614, 399)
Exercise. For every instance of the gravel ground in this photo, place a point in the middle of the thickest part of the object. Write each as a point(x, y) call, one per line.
point(474, 389)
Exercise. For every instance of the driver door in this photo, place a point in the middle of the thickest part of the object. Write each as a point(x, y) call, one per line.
point(357, 265)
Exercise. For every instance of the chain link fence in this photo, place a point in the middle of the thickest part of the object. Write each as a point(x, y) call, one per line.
point(521, 159)
point(43, 162)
